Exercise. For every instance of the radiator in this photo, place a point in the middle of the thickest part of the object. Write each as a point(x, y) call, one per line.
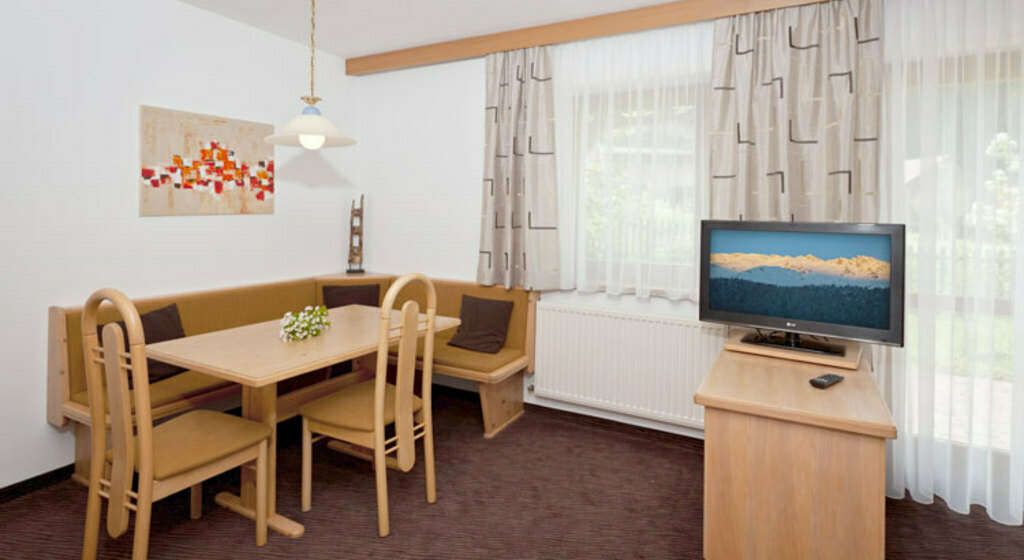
point(643, 366)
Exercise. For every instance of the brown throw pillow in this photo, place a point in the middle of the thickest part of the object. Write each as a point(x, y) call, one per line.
point(484, 324)
point(339, 296)
point(157, 326)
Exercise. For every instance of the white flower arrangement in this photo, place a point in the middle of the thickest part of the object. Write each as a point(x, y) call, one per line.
point(310, 322)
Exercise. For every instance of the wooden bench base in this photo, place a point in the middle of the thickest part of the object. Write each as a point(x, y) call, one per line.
point(501, 391)
point(502, 403)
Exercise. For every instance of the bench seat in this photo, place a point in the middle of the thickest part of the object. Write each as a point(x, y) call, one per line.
point(470, 364)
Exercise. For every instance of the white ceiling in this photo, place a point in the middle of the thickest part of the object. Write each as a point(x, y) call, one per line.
point(356, 27)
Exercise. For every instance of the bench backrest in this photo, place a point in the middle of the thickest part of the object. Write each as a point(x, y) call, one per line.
point(383, 281)
point(201, 312)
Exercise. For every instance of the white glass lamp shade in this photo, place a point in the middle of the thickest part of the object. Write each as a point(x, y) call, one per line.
point(309, 130)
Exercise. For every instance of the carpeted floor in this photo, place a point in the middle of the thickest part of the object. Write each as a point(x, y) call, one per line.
point(554, 485)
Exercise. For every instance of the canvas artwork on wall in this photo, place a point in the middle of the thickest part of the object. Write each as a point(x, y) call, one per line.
point(193, 164)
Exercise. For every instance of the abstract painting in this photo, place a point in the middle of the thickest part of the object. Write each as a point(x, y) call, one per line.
point(193, 164)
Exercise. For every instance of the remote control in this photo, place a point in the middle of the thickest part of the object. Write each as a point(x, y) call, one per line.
point(827, 380)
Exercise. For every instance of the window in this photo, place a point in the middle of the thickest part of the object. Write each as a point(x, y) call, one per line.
point(963, 188)
point(631, 160)
point(954, 130)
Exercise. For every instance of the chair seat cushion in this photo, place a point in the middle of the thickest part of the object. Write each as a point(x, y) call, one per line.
point(461, 358)
point(177, 387)
point(352, 407)
point(199, 438)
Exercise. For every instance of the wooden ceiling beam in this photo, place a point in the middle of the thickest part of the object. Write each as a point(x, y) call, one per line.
point(628, 21)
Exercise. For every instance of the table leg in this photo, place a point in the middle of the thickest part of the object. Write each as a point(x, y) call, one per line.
point(260, 404)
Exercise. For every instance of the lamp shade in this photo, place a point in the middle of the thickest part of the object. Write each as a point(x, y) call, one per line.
point(309, 130)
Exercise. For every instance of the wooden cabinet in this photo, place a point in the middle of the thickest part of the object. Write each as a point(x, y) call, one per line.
point(791, 471)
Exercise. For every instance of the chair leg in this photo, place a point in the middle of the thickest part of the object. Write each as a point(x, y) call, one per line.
point(92, 518)
point(307, 466)
point(95, 453)
point(261, 495)
point(196, 501)
point(428, 457)
point(381, 468)
point(143, 512)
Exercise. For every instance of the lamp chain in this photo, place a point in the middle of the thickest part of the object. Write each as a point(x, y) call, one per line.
point(312, 45)
point(312, 99)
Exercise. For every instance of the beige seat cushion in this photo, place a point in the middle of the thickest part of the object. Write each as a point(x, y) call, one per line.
point(445, 355)
point(178, 387)
point(352, 407)
point(199, 438)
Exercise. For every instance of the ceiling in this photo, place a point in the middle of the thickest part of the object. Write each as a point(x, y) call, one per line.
point(350, 28)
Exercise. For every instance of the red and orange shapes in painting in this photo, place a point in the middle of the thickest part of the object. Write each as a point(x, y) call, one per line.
point(216, 170)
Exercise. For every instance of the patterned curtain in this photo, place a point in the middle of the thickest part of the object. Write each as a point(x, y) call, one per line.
point(519, 223)
point(795, 113)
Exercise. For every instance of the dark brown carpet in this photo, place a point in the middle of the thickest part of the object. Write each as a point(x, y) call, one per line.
point(554, 485)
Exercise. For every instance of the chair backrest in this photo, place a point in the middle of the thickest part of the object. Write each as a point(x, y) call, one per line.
point(404, 439)
point(107, 366)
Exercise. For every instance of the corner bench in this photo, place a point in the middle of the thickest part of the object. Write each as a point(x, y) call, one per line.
point(211, 310)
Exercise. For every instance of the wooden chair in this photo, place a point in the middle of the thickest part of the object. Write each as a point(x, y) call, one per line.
point(359, 414)
point(173, 456)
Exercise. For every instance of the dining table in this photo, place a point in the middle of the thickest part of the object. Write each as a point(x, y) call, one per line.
point(256, 357)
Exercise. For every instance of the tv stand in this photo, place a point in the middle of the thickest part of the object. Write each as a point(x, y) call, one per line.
point(791, 471)
point(793, 341)
point(792, 346)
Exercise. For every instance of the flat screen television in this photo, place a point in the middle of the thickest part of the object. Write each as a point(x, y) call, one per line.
point(788, 279)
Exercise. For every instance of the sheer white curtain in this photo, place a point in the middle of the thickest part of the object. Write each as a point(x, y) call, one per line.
point(632, 160)
point(954, 104)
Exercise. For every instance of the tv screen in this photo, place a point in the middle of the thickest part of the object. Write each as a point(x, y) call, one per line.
point(842, 280)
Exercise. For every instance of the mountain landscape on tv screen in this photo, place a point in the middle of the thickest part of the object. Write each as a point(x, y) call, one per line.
point(846, 290)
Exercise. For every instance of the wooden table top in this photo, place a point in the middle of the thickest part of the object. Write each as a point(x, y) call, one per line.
point(778, 388)
point(254, 355)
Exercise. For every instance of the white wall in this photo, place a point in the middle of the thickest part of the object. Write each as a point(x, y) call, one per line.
point(74, 76)
point(420, 161)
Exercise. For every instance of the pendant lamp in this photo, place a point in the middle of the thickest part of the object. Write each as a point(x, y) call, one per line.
point(310, 129)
